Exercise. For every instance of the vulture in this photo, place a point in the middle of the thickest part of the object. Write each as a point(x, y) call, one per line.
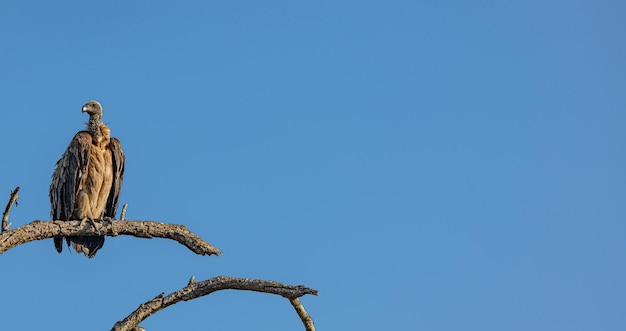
point(87, 180)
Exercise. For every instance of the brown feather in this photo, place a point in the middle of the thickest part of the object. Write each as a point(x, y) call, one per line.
point(118, 177)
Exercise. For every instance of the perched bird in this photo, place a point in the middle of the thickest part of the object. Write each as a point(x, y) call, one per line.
point(87, 180)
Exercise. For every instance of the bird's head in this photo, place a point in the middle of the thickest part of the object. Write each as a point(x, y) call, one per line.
point(92, 107)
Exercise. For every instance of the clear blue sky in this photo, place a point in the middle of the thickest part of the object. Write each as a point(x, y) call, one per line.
point(444, 165)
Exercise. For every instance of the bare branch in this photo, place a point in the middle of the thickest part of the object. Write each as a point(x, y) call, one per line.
point(206, 287)
point(304, 316)
point(7, 210)
point(38, 230)
point(123, 215)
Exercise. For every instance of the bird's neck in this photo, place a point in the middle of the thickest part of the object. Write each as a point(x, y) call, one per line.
point(93, 126)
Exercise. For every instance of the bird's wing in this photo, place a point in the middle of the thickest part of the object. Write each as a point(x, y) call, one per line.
point(118, 177)
point(69, 176)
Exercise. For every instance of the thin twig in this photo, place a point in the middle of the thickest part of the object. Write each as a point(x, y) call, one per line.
point(304, 316)
point(123, 215)
point(38, 230)
point(206, 287)
point(7, 210)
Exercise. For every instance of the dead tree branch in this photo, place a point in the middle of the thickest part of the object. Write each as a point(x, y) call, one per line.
point(196, 290)
point(123, 215)
point(7, 210)
point(304, 316)
point(38, 230)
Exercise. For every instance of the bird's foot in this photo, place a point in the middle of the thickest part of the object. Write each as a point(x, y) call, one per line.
point(90, 221)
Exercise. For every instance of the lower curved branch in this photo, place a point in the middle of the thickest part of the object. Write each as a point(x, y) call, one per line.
point(195, 290)
point(39, 230)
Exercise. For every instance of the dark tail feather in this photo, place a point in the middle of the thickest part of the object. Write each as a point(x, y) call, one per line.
point(58, 244)
point(86, 244)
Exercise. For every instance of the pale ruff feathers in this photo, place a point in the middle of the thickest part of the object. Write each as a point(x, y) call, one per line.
point(92, 198)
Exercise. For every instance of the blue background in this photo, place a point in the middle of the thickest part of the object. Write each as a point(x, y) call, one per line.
point(438, 165)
